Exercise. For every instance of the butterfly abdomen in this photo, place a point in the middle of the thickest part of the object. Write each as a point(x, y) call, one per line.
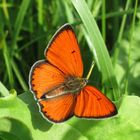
point(71, 85)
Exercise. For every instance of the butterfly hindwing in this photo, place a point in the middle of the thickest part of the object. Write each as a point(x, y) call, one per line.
point(58, 109)
point(91, 103)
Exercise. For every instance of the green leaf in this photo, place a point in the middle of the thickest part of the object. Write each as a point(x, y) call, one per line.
point(14, 128)
point(126, 125)
point(66, 132)
point(22, 118)
point(7, 136)
point(19, 117)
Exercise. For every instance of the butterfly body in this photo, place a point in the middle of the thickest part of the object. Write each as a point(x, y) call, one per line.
point(74, 85)
point(58, 86)
point(71, 85)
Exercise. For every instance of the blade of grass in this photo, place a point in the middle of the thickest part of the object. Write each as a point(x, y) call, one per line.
point(123, 22)
point(19, 20)
point(40, 11)
point(104, 20)
point(110, 14)
point(7, 59)
point(114, 22)
point(116, 52)
point(117, 14)
point(102, 58)
point(96, 7)
point(29, 44)
point(5, 7)
point(130, 46)
point(69, 14)
point(6, 54)
point(18, 75)
point(3, 90)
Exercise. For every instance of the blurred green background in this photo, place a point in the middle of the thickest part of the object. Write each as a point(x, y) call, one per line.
point(26, 27)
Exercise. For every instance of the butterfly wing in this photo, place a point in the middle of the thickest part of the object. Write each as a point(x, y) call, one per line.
point(91, 103)
point(64, 53)
point(58, 109)
point(64, 59)
point(44, 77)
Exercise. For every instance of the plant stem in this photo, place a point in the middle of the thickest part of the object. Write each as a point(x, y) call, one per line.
point(104, 20)
point(115, 57)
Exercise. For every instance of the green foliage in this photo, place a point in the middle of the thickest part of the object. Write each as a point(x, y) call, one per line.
point(122, 66)
point(19, 116)
point(25, 29)
point(20, 119)
point(98, 47)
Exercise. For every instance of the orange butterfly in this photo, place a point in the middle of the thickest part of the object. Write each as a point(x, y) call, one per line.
point(58, 85)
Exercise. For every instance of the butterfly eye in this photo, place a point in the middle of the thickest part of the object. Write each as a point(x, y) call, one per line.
point(73, 79)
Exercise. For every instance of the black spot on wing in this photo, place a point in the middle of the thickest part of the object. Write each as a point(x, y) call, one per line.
point(73, 52)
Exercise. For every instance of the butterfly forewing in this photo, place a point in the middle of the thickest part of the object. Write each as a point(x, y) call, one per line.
point(44, 77)
point(64, 53)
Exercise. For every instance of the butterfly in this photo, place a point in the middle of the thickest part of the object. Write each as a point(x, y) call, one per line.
point(58, 86)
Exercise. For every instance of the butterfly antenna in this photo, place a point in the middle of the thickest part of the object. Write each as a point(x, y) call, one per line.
point(91, 68)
